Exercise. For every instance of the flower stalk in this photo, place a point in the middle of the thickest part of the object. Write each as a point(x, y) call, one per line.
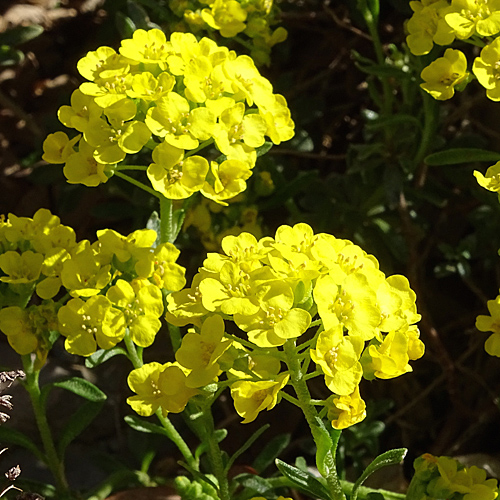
point(52, 459)
point(318, 430)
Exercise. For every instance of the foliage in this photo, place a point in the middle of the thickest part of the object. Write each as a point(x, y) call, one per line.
point(271, 320)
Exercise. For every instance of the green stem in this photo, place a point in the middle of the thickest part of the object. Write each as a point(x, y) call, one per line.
point(215, 454)
point(203, 145)
point(327, 466)
point(133, 355)
point(428, 135)
point(175, 336)
point(177, 439)
point(131, 167)
point(372, 25)
point(137, 183)
point(364, 491)
point(51, 457)
point(168, 233)
point(172, 433)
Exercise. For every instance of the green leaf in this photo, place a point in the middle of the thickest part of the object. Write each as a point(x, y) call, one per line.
point(138, 15)
point(304, 481)
point(77, 423)
point(82, 388)
point(102, 355)
point(255, 485)
point(391, 457)
point(124, 25)
point(461, 155)
point(270, 452)
point(384, 70)
point(13, 436)
point(246, 445)
point(177, 221)
point(324, 444)
point(154, 224)
point(396, 120)
point(262, 150)
point(288, 191)
point(10, 56)
point(20, 34)
point(219, 435)
point(139, 424)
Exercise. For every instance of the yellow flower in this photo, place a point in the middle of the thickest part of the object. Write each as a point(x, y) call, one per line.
point(279, 498)
point(28, 329)
point(82, 109)
point(351, 303)
point(338, 356)
point(150, 47)
point(83, 275)
point(276, 114)
point(21, 268)
point(277, 320)
point(228, 180)
point(145, 86)
point(58, 147)
point(199, 352)
point(491, 324)
point(159, 386)
point(344, 411)
point(250, 398)
point(161, 267)
point(173, 176)
point(82, 324)
point(227, 16)
point(444, 74)
point(136, 310)
point(389, 358)
point(83, 168)
point(15, 323)
point(234, 292)
point(186, 306)
point(468, 17)
point(427, 26)
point(180, 126)
point(490, 181)
point(486, 68)
point(102, 64)
point(125, 248)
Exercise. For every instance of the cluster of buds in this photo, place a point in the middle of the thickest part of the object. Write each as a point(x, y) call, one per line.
point(445, 477)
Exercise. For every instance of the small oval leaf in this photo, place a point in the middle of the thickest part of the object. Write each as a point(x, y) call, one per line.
point(461, 155)
point(13, 436)
point(77, 423)
point(82, 388)
point(391, 457)
point(102, 355)
point(141, 425)
point(303, 480)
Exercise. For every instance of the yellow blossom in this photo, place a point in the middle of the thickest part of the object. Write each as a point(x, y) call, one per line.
point(444, 74)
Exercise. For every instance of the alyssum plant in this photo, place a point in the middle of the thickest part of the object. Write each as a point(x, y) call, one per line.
point(267, 316)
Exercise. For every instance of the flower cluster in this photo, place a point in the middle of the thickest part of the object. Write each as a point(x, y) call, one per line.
point(445, 477)
point(115, 285)
point(275, 290)
point(253, 18)
point(491, 323)
point(174, 97)
point(441, 22)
